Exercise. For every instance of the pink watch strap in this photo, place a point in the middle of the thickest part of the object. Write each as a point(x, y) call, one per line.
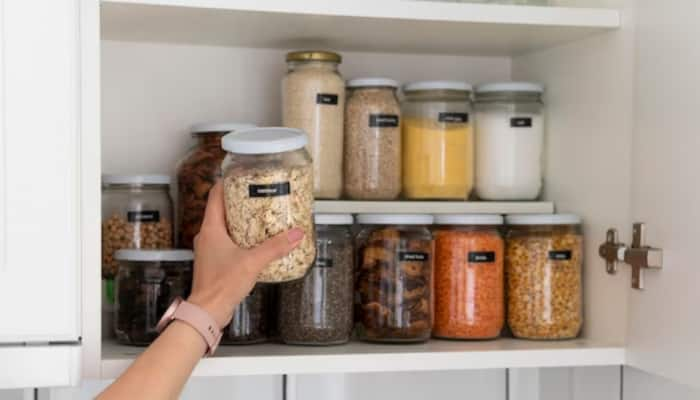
point(198, 319)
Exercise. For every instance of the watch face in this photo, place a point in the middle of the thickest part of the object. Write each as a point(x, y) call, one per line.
point(168, 315)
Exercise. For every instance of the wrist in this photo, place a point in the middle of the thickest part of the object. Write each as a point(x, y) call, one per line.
point(219, 310)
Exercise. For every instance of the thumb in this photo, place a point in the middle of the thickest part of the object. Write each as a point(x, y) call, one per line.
point(276, 247)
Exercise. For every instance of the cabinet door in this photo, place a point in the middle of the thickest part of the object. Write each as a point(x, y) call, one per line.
point(663, 326)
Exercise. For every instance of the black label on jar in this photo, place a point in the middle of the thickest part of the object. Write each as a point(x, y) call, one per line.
point(327, 99)
point(143, 216)
point(269, 190)
point(481, 256)
point(324, 262)
point(453, 118)
point(521, 122)
point(560, 255)
point(383, 121)
point(413, 256)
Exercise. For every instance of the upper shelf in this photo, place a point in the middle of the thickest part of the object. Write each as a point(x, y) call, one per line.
point(434, 207)
point(397, 26)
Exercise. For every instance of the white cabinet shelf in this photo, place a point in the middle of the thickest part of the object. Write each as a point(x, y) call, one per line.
point(265, 359)
point(364, 25)
point(434, 207)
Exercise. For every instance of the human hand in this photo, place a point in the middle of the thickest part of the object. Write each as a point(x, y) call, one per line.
point(223, 272)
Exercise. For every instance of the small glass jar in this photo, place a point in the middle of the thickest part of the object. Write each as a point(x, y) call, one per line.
point(437, 141)
point(196, 175)
point(268, 189)
point(147, 282)
point(394, 277)
point(372, 140)
point(137, 213)
point(509, 141)
point(544, 261)
point(469, 279)
point(317, 310)
point(252, 318)
point(313, 100)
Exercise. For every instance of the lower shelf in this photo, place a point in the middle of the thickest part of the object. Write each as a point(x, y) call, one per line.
point(272, 358)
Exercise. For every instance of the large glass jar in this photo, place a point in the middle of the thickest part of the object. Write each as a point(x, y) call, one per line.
point(372, 140)
point(544, 260)
point(313, 100)
point(317, 310)
point(509, 141)
point(268, 189)
point(395, 258)
point(196, 174)
point(147, 282)
point(252, 319)
point(137, 212)
point(437, 140)
point(469, 280)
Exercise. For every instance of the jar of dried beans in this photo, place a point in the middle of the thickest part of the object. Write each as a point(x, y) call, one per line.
point(544, 260)
point(252, 318)
point(468, 276)
point(394, 274)
point(196, 174)
point(268, 189)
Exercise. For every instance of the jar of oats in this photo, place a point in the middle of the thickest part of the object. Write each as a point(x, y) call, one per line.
point(313, 100)
point(268, 189)
point(544, 260)
point(372, 163)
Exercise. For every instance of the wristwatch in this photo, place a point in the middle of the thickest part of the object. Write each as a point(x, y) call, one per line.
point(197, 318)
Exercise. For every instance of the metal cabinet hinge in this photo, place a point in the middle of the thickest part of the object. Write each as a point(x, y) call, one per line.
point(639, 256)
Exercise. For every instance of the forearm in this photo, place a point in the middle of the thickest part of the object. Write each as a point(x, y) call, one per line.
point(163, 369)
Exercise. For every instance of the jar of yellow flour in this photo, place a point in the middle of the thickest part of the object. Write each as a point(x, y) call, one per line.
point(437, 140)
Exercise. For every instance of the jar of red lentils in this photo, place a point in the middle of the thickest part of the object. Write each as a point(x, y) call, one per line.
point(468, 277)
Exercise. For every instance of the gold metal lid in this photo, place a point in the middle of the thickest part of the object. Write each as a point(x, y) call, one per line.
point(314, 55)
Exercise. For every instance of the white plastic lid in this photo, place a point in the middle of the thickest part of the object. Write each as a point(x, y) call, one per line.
point(267, 140)
point(527, 87)
point(371, 82)
point(437, 85)
point(543, 219)
point(154, 255)
point(333, 219)
point(468, 219)
point(135, 179)
point(220, 127)
point(395, 219)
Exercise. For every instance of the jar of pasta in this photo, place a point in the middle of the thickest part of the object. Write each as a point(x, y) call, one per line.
point(437, 140)
point(468, 276)
point(394, 277)
point(544, 260)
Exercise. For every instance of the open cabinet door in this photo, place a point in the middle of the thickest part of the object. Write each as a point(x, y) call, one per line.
point(664, 321)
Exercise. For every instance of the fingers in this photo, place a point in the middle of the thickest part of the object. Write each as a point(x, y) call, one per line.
point(215, 216)
point(275, 248)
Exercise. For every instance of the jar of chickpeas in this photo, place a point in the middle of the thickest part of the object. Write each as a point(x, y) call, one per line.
point(544, 260)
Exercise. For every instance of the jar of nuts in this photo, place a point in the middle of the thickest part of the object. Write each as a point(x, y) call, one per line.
point(137, 213)
point(544, 260)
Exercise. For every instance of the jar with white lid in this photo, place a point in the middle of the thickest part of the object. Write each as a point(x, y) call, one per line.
point(509, 141)
point(147, 282)
point(394, 277)
point(544, 262)
point(437, 140)
point(268, 189)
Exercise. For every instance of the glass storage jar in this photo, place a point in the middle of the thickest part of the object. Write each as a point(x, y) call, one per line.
point(313, 100)
point(509, 141)
point(372, 162)
point(544, 260)
point(137, 212)
point(252, 318)
point(394, 277)
point(197, 173)
point(437, 140)
point(268, 189)
point(468, 276)
point(147, 282)
point(317, 310)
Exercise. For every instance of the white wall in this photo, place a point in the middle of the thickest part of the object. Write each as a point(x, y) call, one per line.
point(639, 385)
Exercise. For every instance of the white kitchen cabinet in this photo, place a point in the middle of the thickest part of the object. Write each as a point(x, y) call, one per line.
point(126, 78)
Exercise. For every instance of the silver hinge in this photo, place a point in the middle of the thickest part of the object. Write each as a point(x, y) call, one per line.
point(639, 256)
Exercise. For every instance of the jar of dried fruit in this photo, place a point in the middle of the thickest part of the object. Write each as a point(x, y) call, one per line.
point(468, 276)
point(393, 280)
point(544, 260)
point(197, 173)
